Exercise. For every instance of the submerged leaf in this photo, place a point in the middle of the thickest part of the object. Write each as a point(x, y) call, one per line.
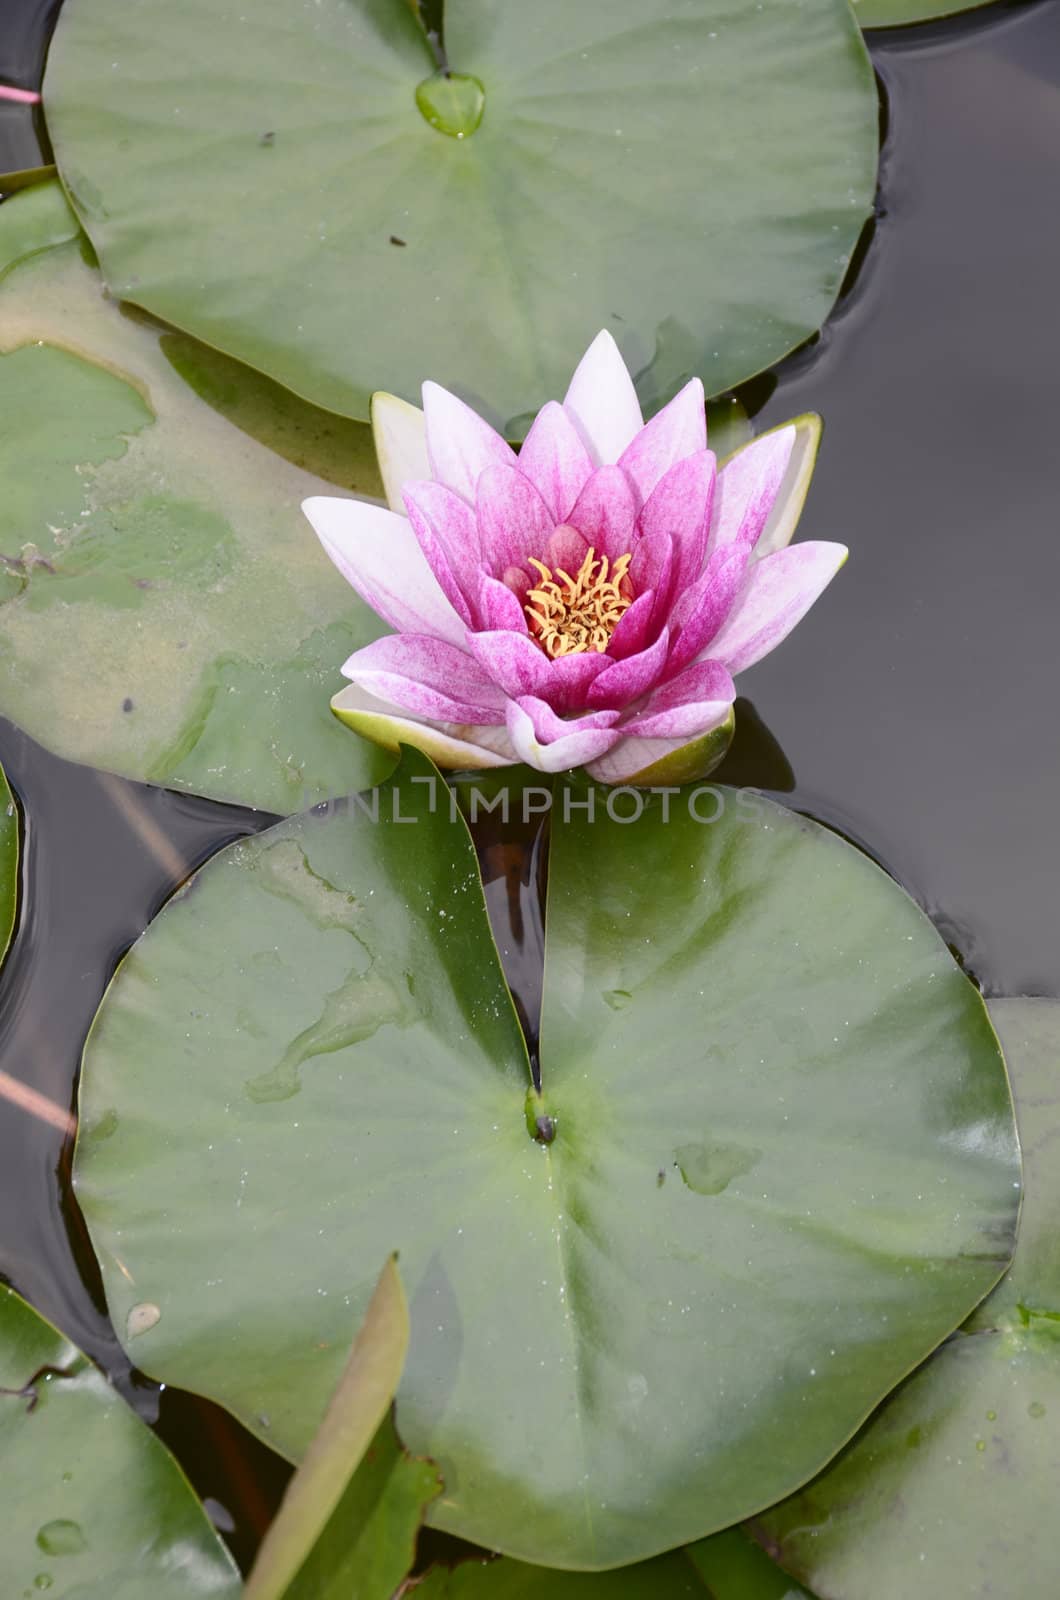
point(164, 610)
point(727, 1567)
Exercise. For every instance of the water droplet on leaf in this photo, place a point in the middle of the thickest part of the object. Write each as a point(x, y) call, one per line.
point(141, 1319)
point(710, 1168)
point(61, 1538)
point(452, 102)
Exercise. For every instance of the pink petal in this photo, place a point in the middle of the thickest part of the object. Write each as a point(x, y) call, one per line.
point(460, 446)
point(513, 520)
point(498, 607)
point(697, 699)
point(555, 460)
point(634, 628)
point(548, 727)
point(565, 550)
point(652, 568)
point(449, 745)
point(625, 681)
point(606, 511)
point(378, 553)
point(776, 595)
point(568, 679)
point(557, 755)
point(428, 677)
point(679, 505)
point(603, 402)
point(517, 579)
point(701, 610)
point(448, 534)
point(748, 485)
point(678, 430)
point(652, 561)
point(452, 522)
point(512, 660)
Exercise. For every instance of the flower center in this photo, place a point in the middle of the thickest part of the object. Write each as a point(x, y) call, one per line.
point(569, 615)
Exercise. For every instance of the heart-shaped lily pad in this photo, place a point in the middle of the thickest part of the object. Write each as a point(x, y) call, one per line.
point(951, 1489)
point(95, 1507)
point(310, 196)
point(8, 864)
point(164, 609)
point(784, 1164)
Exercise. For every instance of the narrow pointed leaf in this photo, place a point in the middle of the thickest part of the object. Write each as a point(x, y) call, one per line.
point(356, 1410)
point(9, 858)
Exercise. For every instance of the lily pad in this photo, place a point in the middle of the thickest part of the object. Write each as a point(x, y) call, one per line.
point(951, 1489)
point(784, 1164)
point(165, 612)
point(295, 194)
point(8, 864)
point(899, 13)
point(94, 1505)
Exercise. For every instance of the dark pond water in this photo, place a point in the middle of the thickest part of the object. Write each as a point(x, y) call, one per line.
point(916, 711)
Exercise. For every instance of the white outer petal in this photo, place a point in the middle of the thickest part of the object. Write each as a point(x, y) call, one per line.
point(449, 745)
point(399, 432)
point(791, 497)
point(603, 401)
point(379, 555)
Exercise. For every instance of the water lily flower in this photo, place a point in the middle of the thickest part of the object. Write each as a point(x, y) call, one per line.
point(585, 602)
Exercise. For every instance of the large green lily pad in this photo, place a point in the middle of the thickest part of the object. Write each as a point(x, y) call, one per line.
point(784, 1166)
point(165, 610)
point(282, 196)
point(95, 1507)
point(952, 1488)
point(898, 13)
point(8, 864)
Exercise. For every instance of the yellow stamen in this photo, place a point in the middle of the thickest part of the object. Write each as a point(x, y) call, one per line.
point(570, 615)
